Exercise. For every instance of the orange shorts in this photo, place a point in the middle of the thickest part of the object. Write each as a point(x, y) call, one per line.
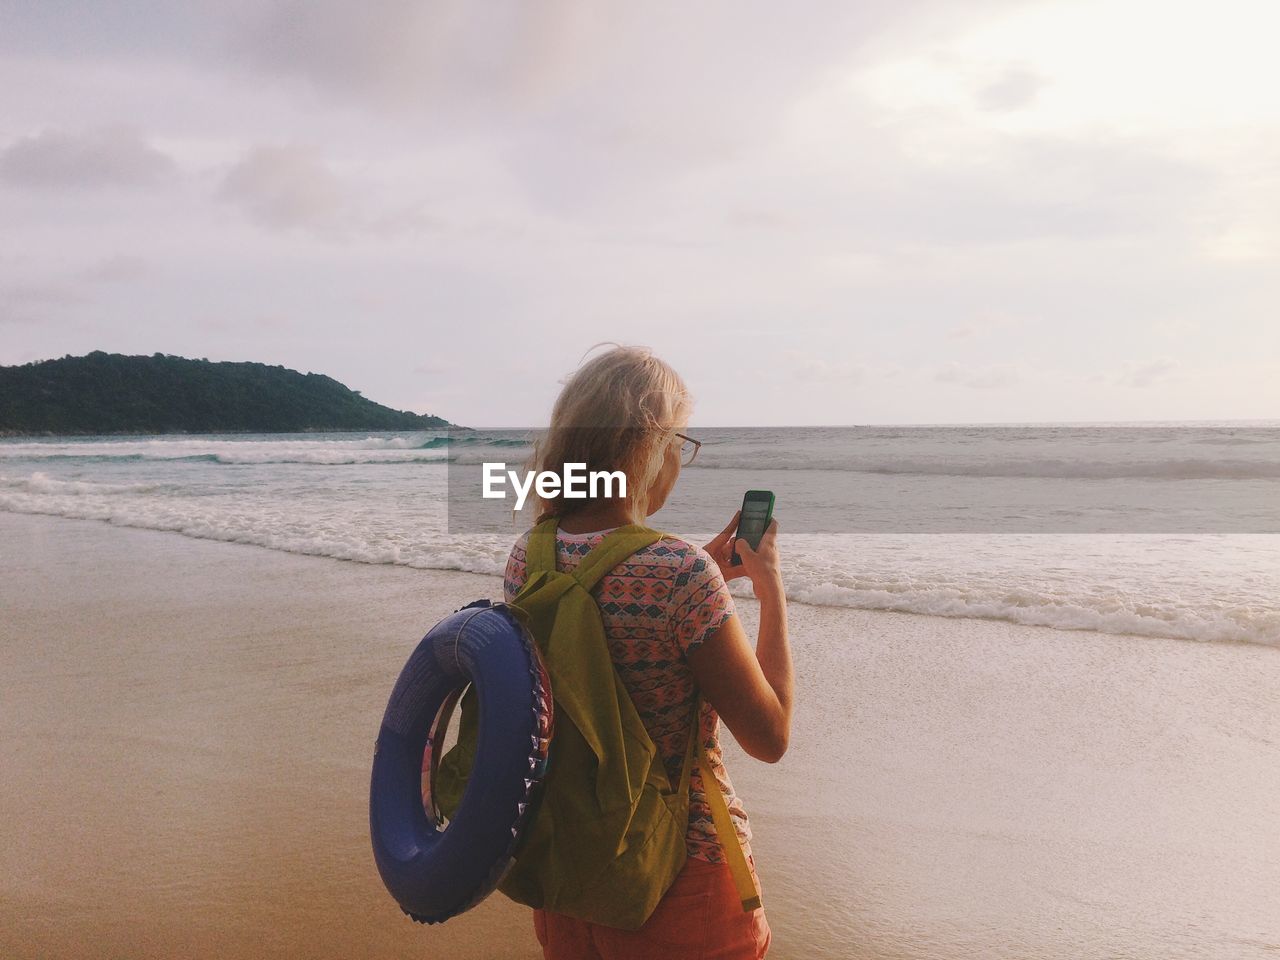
point(699, 918)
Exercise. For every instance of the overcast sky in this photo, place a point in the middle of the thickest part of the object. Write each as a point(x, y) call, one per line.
point(846, 212)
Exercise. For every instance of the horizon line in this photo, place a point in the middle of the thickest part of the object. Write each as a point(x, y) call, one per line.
point(956, 423)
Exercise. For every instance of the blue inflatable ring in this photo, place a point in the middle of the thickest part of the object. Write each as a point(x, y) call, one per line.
point(436, 870)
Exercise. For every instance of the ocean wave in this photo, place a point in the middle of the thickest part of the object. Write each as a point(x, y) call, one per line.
point(961, 454)
point(812, 577)
point(1115, 614)
point(484, 455)
point(1048, 469)
point(468, 441)
point(271, 529)
point(40, 483)
point(327, 452)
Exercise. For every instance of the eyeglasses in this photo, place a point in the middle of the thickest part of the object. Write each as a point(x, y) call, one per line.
point(688, 449)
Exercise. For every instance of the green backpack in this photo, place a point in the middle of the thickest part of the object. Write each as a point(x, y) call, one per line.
point(607, 838)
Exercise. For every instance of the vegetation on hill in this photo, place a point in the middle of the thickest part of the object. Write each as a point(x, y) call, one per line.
point(110, 393)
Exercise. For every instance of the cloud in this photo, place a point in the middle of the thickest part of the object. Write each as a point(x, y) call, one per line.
point(36, 300)
point(1025, 188)
point(291, 186)
point(1015, 88)
point(987, 378)
point(396, 51)
point(809, 368)
point(755, 219)
point(50, 293)
point(585, 103)
point(286, 187)
point(116, 269)
point(1148, 373)
point(984, 324)
point(239, 325)
point(107, 156)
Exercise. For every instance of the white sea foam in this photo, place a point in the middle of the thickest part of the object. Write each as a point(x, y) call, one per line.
point(875, 574)
point(321, 452)
point(327, 452)
point(1147, 616)
point(273, 524)
point(41, 483)
point(1184, 468)
point(382, 500)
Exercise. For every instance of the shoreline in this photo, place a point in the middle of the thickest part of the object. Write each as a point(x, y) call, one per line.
point(187, 730)
point(46, 435)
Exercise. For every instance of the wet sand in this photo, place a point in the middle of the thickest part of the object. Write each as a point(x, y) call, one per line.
point(186, 729)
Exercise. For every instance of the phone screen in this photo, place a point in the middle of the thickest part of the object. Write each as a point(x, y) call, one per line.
point(757, 510)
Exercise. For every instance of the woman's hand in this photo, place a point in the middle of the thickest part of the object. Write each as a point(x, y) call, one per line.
point(760, 565)
point(721, 550)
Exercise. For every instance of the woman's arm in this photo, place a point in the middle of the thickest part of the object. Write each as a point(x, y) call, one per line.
point(751, 690)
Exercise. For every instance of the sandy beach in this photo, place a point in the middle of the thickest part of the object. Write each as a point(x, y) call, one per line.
point(186, 729)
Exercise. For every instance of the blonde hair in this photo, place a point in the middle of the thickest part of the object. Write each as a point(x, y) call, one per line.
point(617, 411)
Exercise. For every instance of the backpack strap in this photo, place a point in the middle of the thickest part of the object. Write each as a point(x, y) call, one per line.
point(611, 551)
point(728, 836)
point(617, 545)
point(540, 551)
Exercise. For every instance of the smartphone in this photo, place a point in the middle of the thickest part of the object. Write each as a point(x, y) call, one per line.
point(757, 511)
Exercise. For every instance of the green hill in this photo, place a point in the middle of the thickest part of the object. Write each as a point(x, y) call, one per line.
point(113, 393)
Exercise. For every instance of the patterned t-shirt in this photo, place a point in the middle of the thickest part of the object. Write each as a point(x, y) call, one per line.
point(657, 605)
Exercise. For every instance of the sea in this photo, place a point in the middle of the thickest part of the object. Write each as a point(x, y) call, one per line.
point(1150, 530)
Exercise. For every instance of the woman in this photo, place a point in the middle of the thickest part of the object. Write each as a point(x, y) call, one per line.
point(672, 631)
